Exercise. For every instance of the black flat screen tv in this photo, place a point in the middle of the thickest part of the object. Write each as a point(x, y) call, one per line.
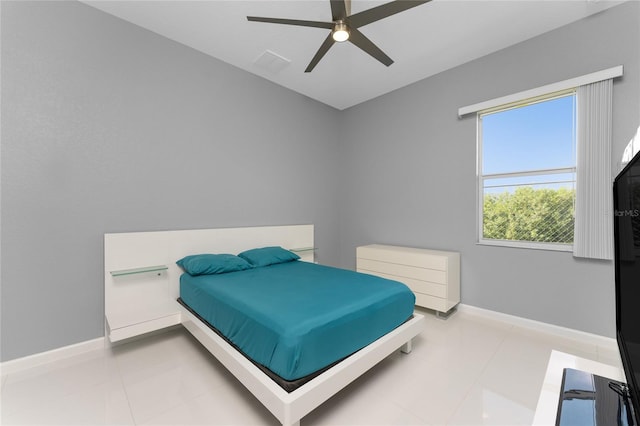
point(626, 196)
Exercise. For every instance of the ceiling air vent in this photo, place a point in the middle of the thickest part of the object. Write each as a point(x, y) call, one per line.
point(272, 62)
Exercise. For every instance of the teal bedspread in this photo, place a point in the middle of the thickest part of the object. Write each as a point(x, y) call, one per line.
point(296, 318)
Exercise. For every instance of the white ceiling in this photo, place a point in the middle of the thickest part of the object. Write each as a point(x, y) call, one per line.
point(422, 41)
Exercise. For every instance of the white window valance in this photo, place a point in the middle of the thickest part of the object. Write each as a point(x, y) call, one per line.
point(543, 90)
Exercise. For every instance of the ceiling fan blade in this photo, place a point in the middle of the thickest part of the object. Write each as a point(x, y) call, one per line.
point(338, 10)
point(360, 40)
point(384, 10)
point(298, 22)
point(326, 45)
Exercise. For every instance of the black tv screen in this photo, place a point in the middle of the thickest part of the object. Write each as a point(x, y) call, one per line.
point(626, 195)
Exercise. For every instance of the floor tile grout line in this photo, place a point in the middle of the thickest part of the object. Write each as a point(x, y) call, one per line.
point(462, 400)
point(124, 388)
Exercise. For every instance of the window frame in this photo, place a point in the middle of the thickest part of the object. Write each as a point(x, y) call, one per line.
point(480, 177)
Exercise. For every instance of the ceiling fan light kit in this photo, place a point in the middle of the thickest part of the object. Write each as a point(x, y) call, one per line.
point(340, 32)
point(344, 26)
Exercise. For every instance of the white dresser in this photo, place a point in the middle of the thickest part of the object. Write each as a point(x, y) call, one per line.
point(432, 275)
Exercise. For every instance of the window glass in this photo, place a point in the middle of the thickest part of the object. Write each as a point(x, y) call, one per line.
point(537, 136)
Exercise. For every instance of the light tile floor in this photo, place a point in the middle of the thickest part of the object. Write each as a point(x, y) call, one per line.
point(466, 370)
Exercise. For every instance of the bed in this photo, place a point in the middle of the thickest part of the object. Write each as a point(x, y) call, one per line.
point(372, 319)
point(296, 318)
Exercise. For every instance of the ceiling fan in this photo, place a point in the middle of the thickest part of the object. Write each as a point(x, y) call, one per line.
point(344, 26)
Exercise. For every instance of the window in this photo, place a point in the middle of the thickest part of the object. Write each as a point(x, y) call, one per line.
point(591, 104)
point(527, 173)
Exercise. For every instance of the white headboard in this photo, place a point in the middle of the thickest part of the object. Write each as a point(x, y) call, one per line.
point(138, 300)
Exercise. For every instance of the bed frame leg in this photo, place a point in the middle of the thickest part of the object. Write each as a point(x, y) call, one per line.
point(406, 348)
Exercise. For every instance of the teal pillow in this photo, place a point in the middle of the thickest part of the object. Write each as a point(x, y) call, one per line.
point(209, 264)
point(266, 256)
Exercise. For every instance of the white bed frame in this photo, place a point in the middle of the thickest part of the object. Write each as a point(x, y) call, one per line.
point(133, 252)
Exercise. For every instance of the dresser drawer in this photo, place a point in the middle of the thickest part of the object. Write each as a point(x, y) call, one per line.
point(436, 303)
point(417, 286)
point(414, 272)
point(403, 256)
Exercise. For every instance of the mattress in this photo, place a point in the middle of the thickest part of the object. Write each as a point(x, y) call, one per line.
point(296, 318)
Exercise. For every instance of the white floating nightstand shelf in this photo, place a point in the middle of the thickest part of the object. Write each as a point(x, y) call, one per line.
point(141, 270)
point(138, 300)
point(306, 253)
point(302, 249)
point(130, 323)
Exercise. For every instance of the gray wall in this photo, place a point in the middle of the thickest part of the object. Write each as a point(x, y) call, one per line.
point(412, 165)
point(107, 127)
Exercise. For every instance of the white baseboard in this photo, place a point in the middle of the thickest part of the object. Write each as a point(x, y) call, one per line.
point(27, 362)
point(564, 332)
